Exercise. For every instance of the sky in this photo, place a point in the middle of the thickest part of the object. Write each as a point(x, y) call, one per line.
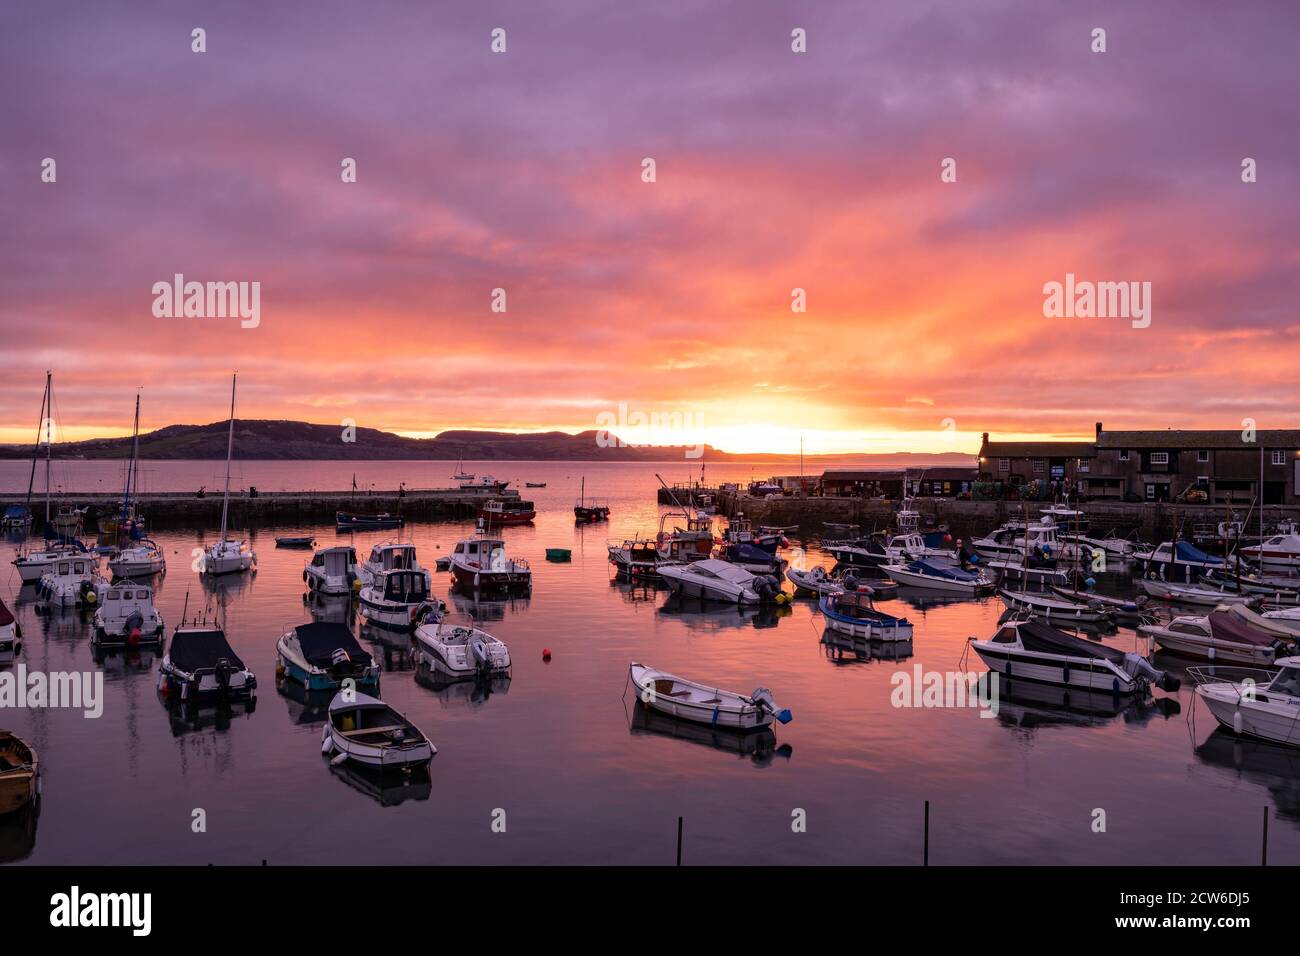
point(664, 307)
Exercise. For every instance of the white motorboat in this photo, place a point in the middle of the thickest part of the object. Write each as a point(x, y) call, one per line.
point(1038, 537)
point(1190, 594)
point(10, 637)
point(461, 652)
point(126, 617)
point(702, 704)
point(1218, 636)
point(201, 665)
point(1113, 546)
point(1281, 552)
point(392, 597)
point(719, 581)
point(1056, 608)
point(481, 563)
point(391, 556)
point(72, 582)
point(485, 483)
point(1175, 561)
point(1283, 624)
point(1012, 570)
point(911, 546)
point(854, 613)
point(1034, 650)
point(368, 731)
point(1074, 522)
point(1252, 702)
point(936, 576)
point(1287, 618)
point(140, 560)
point(818, 581)
point(332, 571)
point(322, 655)
point(862, 552)
point(228, 556)
point(1124, 610)
point(32, 566)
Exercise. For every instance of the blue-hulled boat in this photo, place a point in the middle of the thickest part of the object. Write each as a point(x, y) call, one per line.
point(853, 613)
point(322, 655)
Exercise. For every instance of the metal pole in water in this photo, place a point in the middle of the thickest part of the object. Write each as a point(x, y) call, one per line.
point(925, 860)
point(679, 841)
point(1263, 849)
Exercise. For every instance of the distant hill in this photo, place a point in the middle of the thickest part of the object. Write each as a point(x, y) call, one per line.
point(266, 439)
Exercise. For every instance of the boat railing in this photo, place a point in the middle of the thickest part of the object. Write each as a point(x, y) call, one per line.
point(1239, 678)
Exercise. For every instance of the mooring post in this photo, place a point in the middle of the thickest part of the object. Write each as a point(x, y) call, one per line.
point(925, 859)
point(1263, 849)
point(679, 841)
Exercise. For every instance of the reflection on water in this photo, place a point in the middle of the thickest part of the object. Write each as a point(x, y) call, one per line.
point(584, 776)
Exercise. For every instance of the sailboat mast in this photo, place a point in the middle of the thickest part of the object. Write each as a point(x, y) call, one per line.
point(36, 451)
point(230, 447)
point(49, 439)
point(130, 469)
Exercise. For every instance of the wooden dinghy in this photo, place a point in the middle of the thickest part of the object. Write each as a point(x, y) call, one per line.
point(19, 774)
point(701, 704)
point(367, 731)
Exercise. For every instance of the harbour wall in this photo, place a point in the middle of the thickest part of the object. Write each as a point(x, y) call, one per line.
point(1149, 521)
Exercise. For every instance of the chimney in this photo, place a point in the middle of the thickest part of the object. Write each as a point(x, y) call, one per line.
point(986, 438)
point(1099, 431)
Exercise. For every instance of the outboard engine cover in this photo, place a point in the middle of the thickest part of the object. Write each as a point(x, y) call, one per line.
point(479, 652)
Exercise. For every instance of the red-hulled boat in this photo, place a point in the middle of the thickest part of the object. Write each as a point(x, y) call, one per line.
point(500, 511)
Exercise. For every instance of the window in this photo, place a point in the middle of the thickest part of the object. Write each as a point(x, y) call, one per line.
point(1039, 465)
point(1279, 456)
point(1160, 458)
point(1004, 465)
point(1084, 465)
point(1203, 454)
point(1123, 454)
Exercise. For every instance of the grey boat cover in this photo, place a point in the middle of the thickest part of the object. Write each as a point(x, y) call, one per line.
point(1229, 627)
point(195, 650)
point(1037, 636)
point(320, 639)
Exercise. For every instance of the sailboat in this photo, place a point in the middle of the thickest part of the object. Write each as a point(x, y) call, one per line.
point(228, 556)
point(461, 474)
point(32, 565)
point(143, 557)
point(596, 511)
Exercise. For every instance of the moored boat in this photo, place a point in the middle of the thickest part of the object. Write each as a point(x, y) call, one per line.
point(939, 577)
point(481, 562)
point(294, 541)
point(461, 652)
point(357, 521)
point(1281, 552)
point(368, 731)
point(1034, 650)
point(10, 637)
point(717, 580)
point(1056, 608)
point(854, 613)
point(1218, 636)
point(140, 560)
point(331, 571)
point(702, 704)
point(72, 582)
point(1190, 594)
point(19, 773)
point(228, 555)
point(392, 597)
point(322, 655)
point(1175, 560)
point(504, 511)
point(126, 617)
point(200, 665)
point(1254, 702)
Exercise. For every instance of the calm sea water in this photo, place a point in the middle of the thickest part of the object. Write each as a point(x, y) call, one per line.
point(581, 776)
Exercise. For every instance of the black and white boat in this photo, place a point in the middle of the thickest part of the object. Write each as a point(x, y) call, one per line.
point(939, 576)
point(367, 731)
point(1034, 650)
point(1055, 607)
point(853, 613)
point(717, 580)
point(392, 597)
point(126, 617)
point(355, 521)
point(200, 665)
point(702, 704)
point(391, 556)
point(72, 582)
point(1178, 561)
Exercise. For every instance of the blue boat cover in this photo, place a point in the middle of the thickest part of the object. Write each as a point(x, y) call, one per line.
point(1186, 551)
point(748, 554)
point(17, 512)
point(947, 571)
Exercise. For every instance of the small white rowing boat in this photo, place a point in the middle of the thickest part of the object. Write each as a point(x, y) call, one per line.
point(688, 700)
point(368, 731)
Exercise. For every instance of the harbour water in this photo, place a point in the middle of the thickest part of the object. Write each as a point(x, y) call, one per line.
point(581, 775)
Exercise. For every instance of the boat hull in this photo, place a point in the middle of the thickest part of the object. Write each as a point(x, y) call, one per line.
point(1264, 720)
point(1087, 673)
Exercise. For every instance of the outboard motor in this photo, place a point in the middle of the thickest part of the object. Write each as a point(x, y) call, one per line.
point(222, 674)
point(766, 586)
point(1139, 665)
point(479, 652)
point(851, 582)
point(762, 698)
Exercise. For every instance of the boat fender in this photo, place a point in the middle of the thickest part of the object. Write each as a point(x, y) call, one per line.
point(713, 721)
point(1236, 721)
point(784, 715)
point(1209, 652)
point(327, 744)
point(339, 759)
point(305, 578)
point(1114, 685)
point(1169, 682)
point(1065, 673)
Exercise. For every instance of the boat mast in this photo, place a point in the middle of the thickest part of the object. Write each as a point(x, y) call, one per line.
point(49, 439)
point(36, 451)
point(230, 447)
point(130, 471)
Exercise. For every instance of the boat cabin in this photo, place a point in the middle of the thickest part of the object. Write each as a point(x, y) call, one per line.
point(335, 562)
point(405, 587)
point(483, 552)
point(388, 557)
point(122, 602)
